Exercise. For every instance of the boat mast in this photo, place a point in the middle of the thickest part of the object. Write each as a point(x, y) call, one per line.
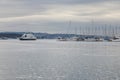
point(69, 27)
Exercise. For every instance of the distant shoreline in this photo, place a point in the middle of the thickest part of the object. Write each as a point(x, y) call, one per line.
point(39, 35)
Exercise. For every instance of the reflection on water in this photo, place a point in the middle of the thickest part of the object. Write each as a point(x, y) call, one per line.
point(54, 60)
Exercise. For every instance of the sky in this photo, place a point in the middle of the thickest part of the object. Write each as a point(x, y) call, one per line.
point(54, 16)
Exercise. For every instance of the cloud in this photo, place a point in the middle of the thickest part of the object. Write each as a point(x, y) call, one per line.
point(63, 12)
point(52, 14)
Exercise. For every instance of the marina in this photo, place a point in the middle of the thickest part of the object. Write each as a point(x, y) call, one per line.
point(59, 40)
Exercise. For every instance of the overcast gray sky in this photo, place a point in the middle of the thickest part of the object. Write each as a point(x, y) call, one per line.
point(53, 16)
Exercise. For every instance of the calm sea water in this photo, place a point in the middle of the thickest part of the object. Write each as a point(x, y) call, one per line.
point(54, 60)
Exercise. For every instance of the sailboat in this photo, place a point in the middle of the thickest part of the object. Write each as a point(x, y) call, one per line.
point(98, 37)
point(75, 37)
point(115, 38)
point(67, 37)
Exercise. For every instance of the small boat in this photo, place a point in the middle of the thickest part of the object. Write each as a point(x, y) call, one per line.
point(62, 39)
point(116, 39)
point(77, 39)
point(28, 36)
point(98, 39)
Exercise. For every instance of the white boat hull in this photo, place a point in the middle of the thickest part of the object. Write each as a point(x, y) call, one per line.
point(28, 36)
